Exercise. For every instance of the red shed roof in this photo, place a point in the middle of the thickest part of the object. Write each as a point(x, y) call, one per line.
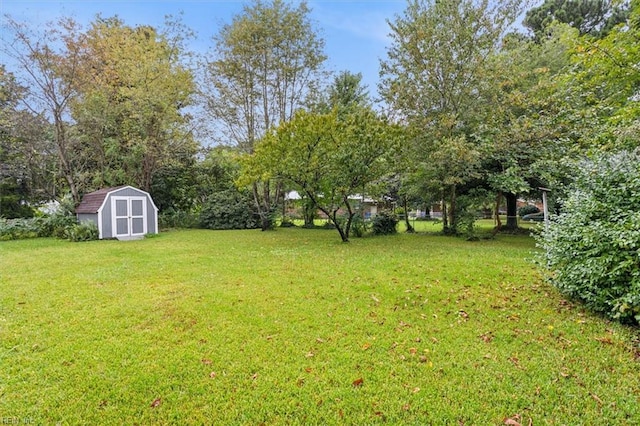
point(92, 201)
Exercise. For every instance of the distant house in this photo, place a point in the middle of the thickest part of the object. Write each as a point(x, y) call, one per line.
point(123, 212)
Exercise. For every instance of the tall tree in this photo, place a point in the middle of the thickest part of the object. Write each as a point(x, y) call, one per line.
point(133, 89)
point(26, 170)
point(592, 17)
point(436, 76)
point(527, 125)
point(261, 69)
point(49, 62)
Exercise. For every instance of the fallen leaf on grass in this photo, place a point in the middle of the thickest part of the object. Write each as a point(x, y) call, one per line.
point(513, 421)
point(206, 361)
point(605, 340)
point(598, 400)
point(463, 314)
point(156, 402)
point(255, 376)
point(358, 382)
point(212, 374)
point(366, 346)
point(487, 337)
point(515, 361)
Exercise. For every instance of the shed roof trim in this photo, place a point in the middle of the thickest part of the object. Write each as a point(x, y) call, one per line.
point(93, 201)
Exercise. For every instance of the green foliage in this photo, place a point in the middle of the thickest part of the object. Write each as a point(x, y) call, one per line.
point(229, 209)
point(384, 223)
point(528, 209)
point(17, 229)
point(86, 231)
point(55, 225)
point(591, 248)
point(592, 17)
point(359, 226)
point(328, 157)
point(172, 218)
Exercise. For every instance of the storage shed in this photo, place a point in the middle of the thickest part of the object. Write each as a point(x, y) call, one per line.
point(123, 212)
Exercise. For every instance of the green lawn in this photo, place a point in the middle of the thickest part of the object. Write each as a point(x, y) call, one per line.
point(294, 327)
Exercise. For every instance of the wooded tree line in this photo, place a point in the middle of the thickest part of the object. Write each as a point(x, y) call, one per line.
point(475, 111)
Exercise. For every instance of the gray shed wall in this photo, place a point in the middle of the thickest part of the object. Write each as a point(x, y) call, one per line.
point(107, 226)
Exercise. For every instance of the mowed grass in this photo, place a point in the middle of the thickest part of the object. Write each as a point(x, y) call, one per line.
point(294, 327)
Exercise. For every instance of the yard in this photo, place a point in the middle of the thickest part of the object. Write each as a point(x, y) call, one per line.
point(294, 327)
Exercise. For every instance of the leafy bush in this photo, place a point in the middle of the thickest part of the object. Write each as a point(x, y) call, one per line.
point(17, 229)
point(57, 225)
point(171, 218)
point(229, 209)
point(85, 231)
point(591, 250)
point(359, 226)
point(528, 209)
point(384, 223)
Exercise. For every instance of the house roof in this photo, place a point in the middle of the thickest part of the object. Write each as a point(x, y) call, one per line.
point(92, 201)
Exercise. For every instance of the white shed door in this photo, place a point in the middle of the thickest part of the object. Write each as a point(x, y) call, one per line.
point(129, 216)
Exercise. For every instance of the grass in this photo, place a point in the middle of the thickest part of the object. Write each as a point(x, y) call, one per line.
point(294, 327)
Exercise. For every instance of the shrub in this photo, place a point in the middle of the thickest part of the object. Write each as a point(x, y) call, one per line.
point(528, 209)
point(591, 249)
point(359, 226)
point(16, 229)
point(57, 224)
point(85, 231)
point(384, 223)
point(229, 209)
point(171, 218)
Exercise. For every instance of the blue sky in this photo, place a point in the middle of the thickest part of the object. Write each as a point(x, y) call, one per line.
point(355, 32)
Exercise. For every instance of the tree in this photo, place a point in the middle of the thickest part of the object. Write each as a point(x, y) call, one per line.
point(132, 89)
point(437, 78)
point(593, 17)
point(327, 157)
point(49, 61)
point(262, 68)
point(27, 161)
point(605, 85)
point(527, 125)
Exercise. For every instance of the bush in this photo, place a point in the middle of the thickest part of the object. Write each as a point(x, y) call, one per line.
point(384, 223)
point(171, 218)
point(17, 229)
point(591, 249)
point(229, 210)
point(359, 226)
point(86, 231)
point(528, 209)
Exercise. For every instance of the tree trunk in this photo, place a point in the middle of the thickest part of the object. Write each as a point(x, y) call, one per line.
point(405, 205)
point(65, 163)
point(497, 211)
point(453, 225)
point(262, 204)
point(445, 216)
point(309, 212)
point(512, 211)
